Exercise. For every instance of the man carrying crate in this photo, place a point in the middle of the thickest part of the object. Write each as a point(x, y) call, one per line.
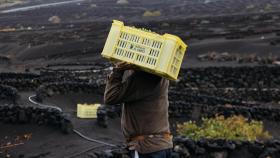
point(144, 120)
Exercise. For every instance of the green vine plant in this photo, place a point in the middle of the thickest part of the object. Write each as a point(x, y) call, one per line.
point(232, 128)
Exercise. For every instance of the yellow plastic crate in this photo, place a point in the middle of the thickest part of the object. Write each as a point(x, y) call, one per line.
point(87, 110)
point(158, 54)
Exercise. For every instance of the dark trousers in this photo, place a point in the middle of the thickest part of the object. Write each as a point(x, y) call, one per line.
point(159, 154)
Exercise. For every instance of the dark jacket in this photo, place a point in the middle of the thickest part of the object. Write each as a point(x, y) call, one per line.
point(145, 108)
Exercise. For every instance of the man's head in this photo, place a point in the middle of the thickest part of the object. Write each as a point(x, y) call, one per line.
point(139, 74)
point(124, 66)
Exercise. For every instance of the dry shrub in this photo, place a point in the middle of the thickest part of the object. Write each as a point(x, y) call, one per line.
point(152, 13)
point(122, 2)
point(55, 19)
point(8, 144)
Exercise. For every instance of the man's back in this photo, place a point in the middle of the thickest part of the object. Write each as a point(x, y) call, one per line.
point(145, 109)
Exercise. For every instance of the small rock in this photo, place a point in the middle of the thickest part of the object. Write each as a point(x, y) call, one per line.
point(200, 151)
point(54, 19)
point(222, 154)
point(183, 151)
point(122, 2)
point(66, 127)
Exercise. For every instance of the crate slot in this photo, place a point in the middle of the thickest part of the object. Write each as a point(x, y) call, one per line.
point(140, 58)
point(173, 69)
point(154, 53)
point(134, 38)
point(140, 44)
point(119, 52)
point(129, 54)
point(151, 52)
point(146, 42)
point(151, 61)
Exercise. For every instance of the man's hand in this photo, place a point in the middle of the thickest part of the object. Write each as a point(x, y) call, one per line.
point(124, 66)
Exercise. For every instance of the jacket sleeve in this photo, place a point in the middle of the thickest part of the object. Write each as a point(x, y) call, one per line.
point(133, 88)
point(115, 89)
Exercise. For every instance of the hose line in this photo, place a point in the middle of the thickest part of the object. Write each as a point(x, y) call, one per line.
point(30, 98)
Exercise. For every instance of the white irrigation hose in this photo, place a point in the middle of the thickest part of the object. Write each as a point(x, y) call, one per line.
point(93, 140)
point(43, 105)
point(85, 151)
point(39, 6)
point(74, 130)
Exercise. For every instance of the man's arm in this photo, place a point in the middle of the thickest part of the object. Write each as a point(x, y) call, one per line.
point(115, 90)
point(135, 87)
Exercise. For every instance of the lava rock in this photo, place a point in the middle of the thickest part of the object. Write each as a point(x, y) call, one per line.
point(222, 154)
point(22, 117)
point(183, 151)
